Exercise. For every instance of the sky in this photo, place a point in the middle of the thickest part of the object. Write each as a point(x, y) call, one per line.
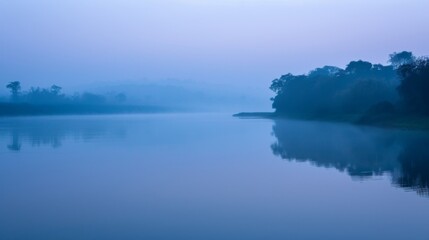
point(245, 43)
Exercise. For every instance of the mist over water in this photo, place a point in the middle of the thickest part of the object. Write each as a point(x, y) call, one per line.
point(211, 176)
point(208, 119)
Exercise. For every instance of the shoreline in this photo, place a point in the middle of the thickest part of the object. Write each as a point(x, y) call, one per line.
point(25, 109)
point(394, 121)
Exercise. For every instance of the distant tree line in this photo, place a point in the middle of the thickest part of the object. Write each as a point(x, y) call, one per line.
point(54, 96)
point(362, 88)
point(51, 101)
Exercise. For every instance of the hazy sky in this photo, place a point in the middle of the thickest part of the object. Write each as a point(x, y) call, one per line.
point(69, 42)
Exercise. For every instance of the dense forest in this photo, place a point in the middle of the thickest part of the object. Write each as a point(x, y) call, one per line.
point(363, 92)
point(45, 101)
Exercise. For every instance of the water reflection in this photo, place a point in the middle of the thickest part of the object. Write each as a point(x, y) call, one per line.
point(53, 131)
point(362, 152)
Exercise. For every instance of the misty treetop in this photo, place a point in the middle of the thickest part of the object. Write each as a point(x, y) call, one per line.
point(361, 87)
point(54, 96)
point(51, 101)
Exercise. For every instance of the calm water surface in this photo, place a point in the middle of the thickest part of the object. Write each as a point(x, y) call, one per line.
point(209, 176)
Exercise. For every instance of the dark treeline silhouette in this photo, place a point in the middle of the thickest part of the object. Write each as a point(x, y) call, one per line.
point(361, 152)
point(40, 101)
point(362, 91)
point(53, 95)
point(414, 87)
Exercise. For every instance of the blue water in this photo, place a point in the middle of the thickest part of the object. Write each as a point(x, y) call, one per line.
point(209, 176)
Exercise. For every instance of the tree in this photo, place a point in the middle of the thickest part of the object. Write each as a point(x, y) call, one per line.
point(56, 89)
point(331, 90)
point(359, 67)
point(414, 85)
point(278, 84)
point(401, 58)
point(325, 71)
point(14, 87)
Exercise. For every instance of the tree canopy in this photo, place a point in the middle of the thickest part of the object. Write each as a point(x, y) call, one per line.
point(360, 87)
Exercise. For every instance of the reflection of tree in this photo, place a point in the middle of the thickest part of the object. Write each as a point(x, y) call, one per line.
point(414, 160)
point(361, 152)
point(15, 145)
point(53, 132)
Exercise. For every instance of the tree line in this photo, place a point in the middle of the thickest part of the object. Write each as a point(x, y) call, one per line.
point(362, 88)
point(54, 96)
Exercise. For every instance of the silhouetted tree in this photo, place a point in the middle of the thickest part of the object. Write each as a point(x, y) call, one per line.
point(325, 71)
point(280, 83)
point(45, 96)
point(56, 89)
point(414, 87)
point(401, 58)
point(14, 87)
point(332, 90)
point(358, 67)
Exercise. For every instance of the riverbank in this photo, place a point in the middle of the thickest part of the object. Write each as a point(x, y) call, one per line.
point(25, 109)
point(384, 121)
